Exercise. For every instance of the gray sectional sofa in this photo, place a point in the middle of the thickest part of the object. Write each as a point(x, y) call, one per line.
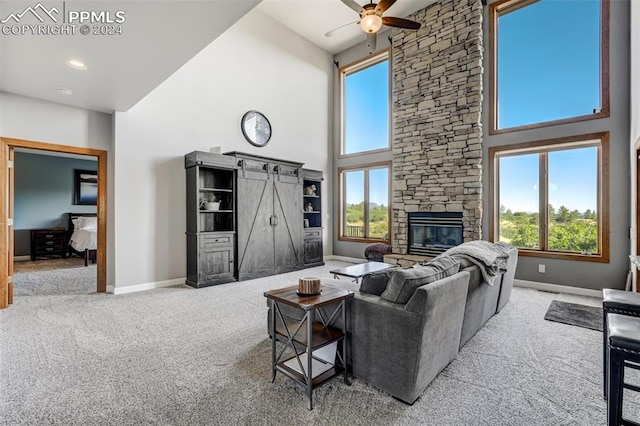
point(401, 347)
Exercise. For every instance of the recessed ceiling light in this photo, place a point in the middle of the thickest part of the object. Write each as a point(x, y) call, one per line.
point(75, 63)
point(65, 91)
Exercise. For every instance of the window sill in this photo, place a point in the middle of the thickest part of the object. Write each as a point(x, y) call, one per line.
point(363, 240)
point(564, 255)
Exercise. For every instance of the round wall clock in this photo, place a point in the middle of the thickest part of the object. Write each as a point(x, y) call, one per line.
point(256, 128)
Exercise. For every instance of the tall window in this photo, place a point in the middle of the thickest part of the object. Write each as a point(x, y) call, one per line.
point(549, 62)
point(365, 105)
point(550, 198)
point(364, 206)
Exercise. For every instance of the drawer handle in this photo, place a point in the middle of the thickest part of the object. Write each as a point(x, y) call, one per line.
point(49, 236)
point(49, 242)
point(49, 249)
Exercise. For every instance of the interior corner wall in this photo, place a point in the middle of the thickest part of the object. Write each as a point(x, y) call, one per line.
point(257, 64)
point(589, 275)
point(42, 121)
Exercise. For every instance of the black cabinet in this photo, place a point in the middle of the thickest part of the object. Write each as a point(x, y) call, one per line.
point(50, 242)
point(248, 217)
point(312, 222)
point(210, 219)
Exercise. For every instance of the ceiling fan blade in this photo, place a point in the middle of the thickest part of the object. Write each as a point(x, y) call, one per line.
point(384, 5)
point(352, 4)
point(372, 38)
point(339, 29)
point(390, 21)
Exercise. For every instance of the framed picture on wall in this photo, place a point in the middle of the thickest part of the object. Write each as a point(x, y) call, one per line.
point(85, 187)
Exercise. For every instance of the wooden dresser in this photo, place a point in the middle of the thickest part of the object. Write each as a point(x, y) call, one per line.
point(51, 242)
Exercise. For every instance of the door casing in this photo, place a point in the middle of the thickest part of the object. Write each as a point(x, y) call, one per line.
point(6, 208)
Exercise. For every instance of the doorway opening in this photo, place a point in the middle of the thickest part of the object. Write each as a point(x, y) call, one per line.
point(7, 237)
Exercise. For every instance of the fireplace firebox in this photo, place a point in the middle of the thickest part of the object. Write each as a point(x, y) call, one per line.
point(433, 233)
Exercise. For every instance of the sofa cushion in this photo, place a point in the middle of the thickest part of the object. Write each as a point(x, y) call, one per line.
point(404, 282)
point(376, 282)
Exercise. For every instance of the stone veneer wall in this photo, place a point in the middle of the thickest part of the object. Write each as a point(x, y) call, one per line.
point(437, 99)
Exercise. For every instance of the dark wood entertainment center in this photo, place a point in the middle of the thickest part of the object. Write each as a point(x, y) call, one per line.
point(248, 216)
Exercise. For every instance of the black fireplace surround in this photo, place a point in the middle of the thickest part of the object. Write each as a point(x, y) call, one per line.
point(433, 233)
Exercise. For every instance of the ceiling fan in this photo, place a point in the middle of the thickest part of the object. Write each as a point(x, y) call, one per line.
point(371, 20)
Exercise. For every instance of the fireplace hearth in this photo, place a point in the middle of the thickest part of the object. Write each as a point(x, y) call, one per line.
point(432, 233)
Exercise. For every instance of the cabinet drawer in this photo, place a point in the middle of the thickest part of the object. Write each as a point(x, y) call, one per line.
point(313, 235)
point(216, 242)
point(48, 247)
point(48, 250)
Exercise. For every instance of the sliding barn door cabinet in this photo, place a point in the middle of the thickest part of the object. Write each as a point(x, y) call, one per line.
point(246, 217)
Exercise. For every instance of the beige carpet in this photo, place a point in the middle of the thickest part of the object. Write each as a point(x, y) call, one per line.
point(181, 356)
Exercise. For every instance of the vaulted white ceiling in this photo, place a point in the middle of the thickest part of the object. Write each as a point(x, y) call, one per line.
point(157, 38)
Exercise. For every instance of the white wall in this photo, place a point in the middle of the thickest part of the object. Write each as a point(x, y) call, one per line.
point(635, 124)
point(42, 121)
point(256, 64)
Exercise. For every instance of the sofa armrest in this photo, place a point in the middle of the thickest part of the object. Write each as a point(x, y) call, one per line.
point(441, 288)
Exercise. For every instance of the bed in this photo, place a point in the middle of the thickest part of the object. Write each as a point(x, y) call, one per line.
point(82, 231)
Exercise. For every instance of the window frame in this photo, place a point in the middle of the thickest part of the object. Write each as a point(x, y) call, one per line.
point(501, 7)
point(342, 200)
point(352, 68)
point(550, 145)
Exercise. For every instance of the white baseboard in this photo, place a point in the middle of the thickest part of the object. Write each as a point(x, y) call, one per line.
point(556, 288)
point(21, 258)
point(145, 286)
point(345, 259)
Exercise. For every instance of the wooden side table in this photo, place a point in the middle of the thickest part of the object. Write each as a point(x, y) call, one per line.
point(304, 368)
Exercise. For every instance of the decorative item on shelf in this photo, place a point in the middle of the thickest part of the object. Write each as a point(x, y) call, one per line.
point(216, 150)
point(306, 223)
point(308, 207)
point(209, 202)
point(310, 190)
point(309, 286)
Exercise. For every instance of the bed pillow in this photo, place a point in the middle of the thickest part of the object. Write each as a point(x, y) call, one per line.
point(87, 223)
point(404, 282)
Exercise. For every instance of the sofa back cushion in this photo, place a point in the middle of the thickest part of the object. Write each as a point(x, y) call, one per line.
point(376, 282)
point(404, 282)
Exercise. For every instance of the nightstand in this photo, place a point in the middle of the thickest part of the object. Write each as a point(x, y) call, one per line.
point(50, 242)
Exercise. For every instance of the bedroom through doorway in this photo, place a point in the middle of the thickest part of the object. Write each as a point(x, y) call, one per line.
point(56, 217)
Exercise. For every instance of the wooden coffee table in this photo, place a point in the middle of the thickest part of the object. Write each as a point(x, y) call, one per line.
point(358, 271)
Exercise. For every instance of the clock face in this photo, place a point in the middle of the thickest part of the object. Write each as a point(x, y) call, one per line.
point(256, 128)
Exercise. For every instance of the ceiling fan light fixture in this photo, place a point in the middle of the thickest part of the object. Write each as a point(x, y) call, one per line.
point(371, 23)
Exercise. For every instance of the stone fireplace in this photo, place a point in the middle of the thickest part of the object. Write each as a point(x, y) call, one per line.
point(437, 101)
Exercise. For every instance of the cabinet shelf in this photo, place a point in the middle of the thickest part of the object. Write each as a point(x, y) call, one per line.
point(216, 211)
point(311, 196)
point(306, 212)
point(215, 190)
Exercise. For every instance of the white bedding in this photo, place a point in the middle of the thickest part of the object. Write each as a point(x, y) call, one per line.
point(83, 239)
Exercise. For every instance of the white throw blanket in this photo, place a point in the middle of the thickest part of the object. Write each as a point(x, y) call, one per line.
point(489, 257)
